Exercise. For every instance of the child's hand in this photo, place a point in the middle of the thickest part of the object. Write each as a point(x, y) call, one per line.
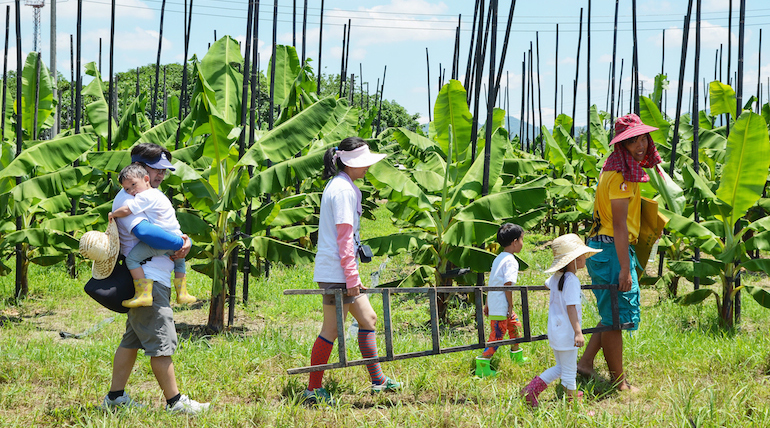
point(110, 217)
point(486, 310)
point(509, 313)
point(579, 340)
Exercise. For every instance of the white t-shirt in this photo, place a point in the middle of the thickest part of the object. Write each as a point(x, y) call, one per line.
point(339, 205)
point(160, 267)
point(505, 269)
point(561, 336)
point(158, 209)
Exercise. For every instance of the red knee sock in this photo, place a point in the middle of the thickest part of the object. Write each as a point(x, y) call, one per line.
point(322, 348)
point(367, 343)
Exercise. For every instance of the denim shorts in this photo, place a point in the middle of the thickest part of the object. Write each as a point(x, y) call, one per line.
point(604, 268)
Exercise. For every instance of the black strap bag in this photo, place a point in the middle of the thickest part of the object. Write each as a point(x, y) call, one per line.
point(110, 292)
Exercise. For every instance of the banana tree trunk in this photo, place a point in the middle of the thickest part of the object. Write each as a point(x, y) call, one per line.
point(22, 270)
point(726, 313)
point(673, 287)
point(216, 320)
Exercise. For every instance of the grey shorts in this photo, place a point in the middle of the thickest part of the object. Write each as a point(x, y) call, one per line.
point(152, 327)
point(329, 299)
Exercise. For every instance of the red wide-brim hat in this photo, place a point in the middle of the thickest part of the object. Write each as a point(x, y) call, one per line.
point(630, 126)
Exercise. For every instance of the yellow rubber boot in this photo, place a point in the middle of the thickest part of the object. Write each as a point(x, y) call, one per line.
point(182, 296)
point(142, 294)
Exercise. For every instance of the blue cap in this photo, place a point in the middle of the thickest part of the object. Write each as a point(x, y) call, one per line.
point(159, 163)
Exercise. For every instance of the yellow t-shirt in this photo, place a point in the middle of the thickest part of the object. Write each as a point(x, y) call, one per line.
point(612, 185)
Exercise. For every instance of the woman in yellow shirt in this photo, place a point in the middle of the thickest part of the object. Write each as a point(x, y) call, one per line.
point(617, 217)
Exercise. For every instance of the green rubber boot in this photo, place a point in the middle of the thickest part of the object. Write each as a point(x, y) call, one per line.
point(518, 357)
point(482, 368)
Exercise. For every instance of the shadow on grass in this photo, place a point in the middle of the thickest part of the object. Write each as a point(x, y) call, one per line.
point(712, 327)
point(5, 319)
point(595, 387)
point(203, 332)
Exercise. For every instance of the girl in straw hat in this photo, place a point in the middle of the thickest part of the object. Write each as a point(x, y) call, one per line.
point(564, 316)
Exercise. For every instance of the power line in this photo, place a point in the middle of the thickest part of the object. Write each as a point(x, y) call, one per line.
point(416, 28)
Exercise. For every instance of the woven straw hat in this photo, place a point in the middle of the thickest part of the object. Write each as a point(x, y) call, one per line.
point(102, 248)
point(630, 126)
point(567, 248)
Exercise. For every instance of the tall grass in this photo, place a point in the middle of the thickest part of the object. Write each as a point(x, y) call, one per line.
point(688, 371)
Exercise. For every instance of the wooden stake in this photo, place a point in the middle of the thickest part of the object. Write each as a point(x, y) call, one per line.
point(320, 45)
point(614, 53)
point(427, 60)
point(682, 63)
point(157, 66)
point(575, 83)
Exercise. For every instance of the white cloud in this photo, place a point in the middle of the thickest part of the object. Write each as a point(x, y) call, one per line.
point(395, 22)
point(712, 35)
point(139, 39)
point(605, 58)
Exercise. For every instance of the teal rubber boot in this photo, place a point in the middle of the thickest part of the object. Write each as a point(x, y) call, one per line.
point(518, 357)
point(482, 368)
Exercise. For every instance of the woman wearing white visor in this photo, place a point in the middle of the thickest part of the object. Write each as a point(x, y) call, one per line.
point(336, 265)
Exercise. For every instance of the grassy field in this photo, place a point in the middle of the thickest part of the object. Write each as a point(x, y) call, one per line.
point(688, 371)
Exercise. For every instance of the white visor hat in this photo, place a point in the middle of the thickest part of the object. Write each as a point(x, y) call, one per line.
point(360, 157)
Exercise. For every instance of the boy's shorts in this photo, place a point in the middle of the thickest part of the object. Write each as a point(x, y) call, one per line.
point(152, 327)
point(604, 268)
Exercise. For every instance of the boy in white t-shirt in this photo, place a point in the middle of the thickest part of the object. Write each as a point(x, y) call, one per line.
point(159, 211)
point(499, 307)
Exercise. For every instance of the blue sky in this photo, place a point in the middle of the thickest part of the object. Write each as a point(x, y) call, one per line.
point(396, 33)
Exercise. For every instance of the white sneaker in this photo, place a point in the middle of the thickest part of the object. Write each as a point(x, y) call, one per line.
point(187, 406)
point(124, 401)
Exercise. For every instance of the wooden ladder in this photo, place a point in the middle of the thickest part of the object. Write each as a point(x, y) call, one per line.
point(432, 293)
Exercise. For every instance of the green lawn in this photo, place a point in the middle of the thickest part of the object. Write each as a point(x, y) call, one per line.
point(689, 373)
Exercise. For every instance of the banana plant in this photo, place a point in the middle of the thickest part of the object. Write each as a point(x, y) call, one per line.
point(720, 233)
point(438, 195)
point(216, 182)
point(571, 200)
point(36, 104)
point(42, 200)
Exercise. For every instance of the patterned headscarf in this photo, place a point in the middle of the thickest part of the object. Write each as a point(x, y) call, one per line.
point(627, 127)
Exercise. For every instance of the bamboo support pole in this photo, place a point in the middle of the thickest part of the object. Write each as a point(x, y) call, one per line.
point(614, 55)
point(739, 109)
point(556, 77)
point(475, 89)
point(635, 68)
point(588, 83)
point(492, 96)
point(304, 34)
point(696, 127)
point(22, 287)
point(320, 46)
point(111, 84)
point(469, 69)
point(539, 99)
point(342, 60)
point(186, 24)
point(680, 87)
point(153, 106)
point(253, 113)
point(5, 70)
point(523, 92)
point(427, 60)
point(577, 74)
